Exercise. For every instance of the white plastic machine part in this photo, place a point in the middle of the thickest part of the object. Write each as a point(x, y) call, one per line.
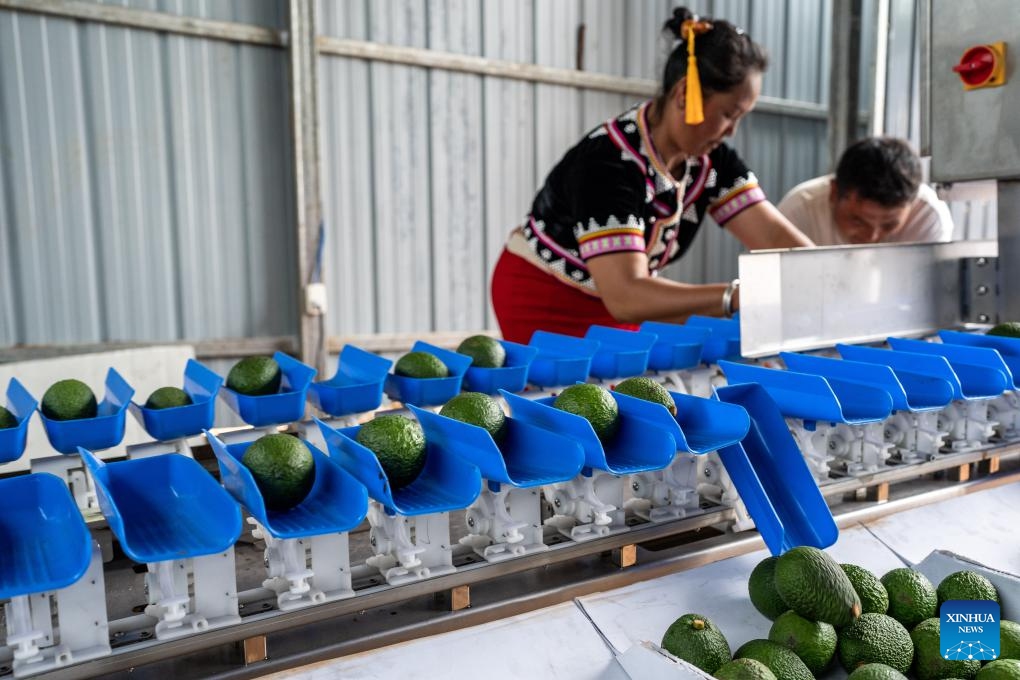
point(1005, 411)
point(81, 632)
point(697, 382)
point(715, 486)
point(409, 549)
point(667, 494)
point(306, 571)
point(858, 449)
point(158, 448)
point(915, 437)
point(72, 470)
point(505, 522)
point(968, 424)
point(213, 603)
point(588, 507)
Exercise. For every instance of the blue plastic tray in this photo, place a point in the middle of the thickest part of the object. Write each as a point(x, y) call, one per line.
point(46, 543)
point(1008, 348)
point(677, 346)
point(429, 391)
point(526, 455)
point(561, 359)
point(708, 424)
point(356, 387)
point(769, 472)
point(930, 366)
point(981, 370)
point(164, 507)
point(512, 376)
point(724, 343)
point(637, 446)
point(337, 502)
point(446, 483)
point(812, 397)
point(103, 431)
point(621, 353)
point(925, 393)
point(21, 405)
point(286, 406)
point(165, 424)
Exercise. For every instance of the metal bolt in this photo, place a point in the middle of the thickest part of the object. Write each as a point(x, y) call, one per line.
point(983, 318)
point(982, 261)
point(635, 486)
point(556, 502)
point(982, 290)
point(471, 522)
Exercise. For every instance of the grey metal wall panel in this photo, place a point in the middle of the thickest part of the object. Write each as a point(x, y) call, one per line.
point(805, 36)
point(456, 164)
point(510, 177)
point(345, 134)
point(901, 85)
point(768, 28)
point(558, 118)
point(400, 152)
point(146, 185)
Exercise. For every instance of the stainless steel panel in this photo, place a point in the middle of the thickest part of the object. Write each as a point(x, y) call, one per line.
point(806, 299)
point(975, 134)
point(1009, 250)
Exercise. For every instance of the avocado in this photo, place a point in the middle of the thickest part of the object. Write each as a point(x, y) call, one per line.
point(876, 671)
point(1007, 329)
point(283, 469)
point(255, 376)
point(421, 365)
point(7, 419)
point(814, 642)
point(744, 669)
point(485, 352)
point(912, 597)
point(595, 404)
point(815, 586)
point(399, 444)
point(478, 409)
point(1009, 639)
point(761, 586)
point(929, 663)
point(167, 397)
point(1000, 669)
point(876, 638)
point(69, 400)
point(966, 585)
point(874, 599)
point(649, 390)
point(781, 660)
point(697, 641)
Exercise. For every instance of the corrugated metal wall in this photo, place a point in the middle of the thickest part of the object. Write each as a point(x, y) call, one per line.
point(425, 172)
point(144, 181)
point(145, 188)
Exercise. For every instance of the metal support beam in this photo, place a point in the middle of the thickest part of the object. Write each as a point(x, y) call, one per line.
point(532, 73)
point(1008, 209)
point(307, 204)
point(844, 85)
point(149, 21)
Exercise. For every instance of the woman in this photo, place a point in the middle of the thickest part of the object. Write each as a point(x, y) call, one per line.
point(629, 198)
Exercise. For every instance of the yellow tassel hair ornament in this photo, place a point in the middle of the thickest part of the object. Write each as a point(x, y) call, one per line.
point(694, 113)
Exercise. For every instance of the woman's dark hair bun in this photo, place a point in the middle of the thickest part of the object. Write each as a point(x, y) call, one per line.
point(675, 23)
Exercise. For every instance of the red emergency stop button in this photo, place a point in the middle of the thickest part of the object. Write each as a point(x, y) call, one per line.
point(983, 66)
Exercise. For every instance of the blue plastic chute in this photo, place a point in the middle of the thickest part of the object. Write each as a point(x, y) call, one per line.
point(429, 391)
point(202, 385)
point(286, 406)
point(772, 478)
point(356, 387)
point(103, 431)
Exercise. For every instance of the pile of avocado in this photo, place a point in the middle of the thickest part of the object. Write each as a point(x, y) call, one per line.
point(880, 629)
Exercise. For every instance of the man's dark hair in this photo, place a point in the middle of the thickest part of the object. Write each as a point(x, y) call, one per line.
point(880, 169)
point(726, 55)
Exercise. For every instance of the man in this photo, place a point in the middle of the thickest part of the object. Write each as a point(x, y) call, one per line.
point(876, 196)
